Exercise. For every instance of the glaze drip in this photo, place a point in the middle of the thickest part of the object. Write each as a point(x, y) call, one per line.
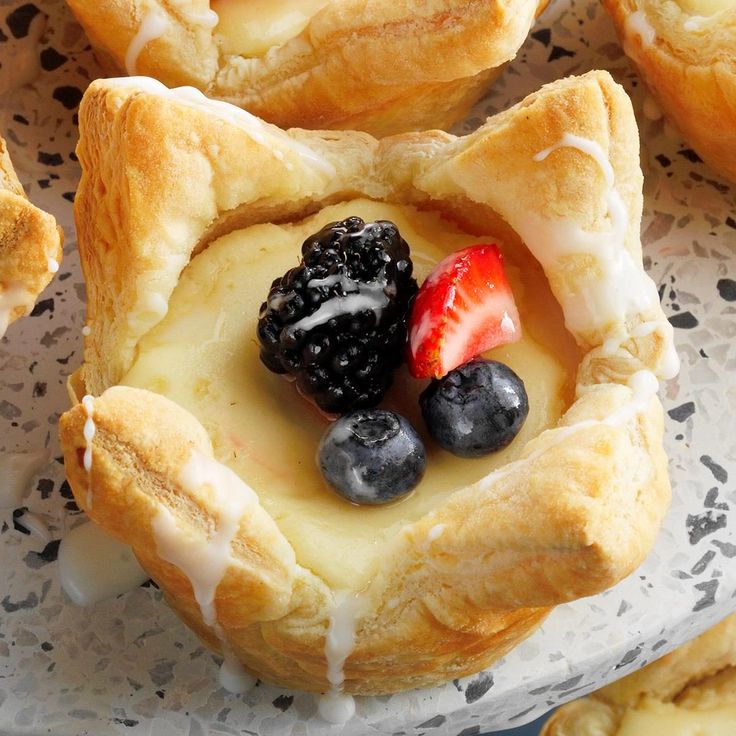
point(153, 26)
point(89, 433)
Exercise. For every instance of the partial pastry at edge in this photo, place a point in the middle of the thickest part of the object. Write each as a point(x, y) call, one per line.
point(691, 689)
point(461, 585)
point(684, 51)
point(30, 246)
point(382, 66)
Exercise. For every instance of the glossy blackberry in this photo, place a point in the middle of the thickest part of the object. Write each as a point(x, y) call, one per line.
point(337, 322)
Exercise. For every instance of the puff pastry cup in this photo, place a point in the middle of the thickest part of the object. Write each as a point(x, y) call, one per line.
point(685, 689)
point(167, 172)
point(30, 246)
point(685, 51)
point(383, 66)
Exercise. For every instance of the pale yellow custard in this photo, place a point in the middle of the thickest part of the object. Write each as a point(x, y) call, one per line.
point(252, 27)
point(653, 718)
point(204, 355)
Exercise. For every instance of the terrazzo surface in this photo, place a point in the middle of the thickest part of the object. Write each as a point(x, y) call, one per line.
point(127, 666)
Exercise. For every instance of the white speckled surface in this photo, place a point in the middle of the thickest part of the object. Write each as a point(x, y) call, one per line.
point(127, 666)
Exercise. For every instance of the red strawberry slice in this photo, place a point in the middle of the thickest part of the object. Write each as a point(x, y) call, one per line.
point(464, 308)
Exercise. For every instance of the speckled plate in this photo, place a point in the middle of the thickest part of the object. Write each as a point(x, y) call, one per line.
point(129, 666)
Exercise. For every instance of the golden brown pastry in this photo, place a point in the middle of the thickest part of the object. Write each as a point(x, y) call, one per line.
point(689, 691)
point(384, 66)
point(685, 50)
point(181, 203)
point(30, 246)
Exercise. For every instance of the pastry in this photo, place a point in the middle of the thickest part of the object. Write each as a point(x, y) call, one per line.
point(187, 448)
point(30, 246)
point(684, 51)
point(691, 690)
point(378, 65)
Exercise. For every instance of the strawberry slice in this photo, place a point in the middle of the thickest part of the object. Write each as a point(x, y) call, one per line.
point(464, 308)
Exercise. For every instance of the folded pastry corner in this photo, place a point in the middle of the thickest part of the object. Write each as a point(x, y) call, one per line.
point(684, 51)
point(378, 65)
point(189, 450)
point(690, 690)
point(30, 246)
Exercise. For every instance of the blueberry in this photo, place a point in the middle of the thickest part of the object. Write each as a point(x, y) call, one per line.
point(475, 409)
point(372, 456)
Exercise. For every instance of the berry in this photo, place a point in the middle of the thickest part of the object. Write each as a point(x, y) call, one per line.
point(464, 308)
point(337, 322)
point(475, 409)
point(372, 456)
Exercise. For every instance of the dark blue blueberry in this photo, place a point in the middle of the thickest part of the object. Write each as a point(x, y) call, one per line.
point(476, 409)
point(372, 456)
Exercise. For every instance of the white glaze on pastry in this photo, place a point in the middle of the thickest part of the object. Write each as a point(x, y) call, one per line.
point(89, 433)
point(17, 470)
point(94, 566)
point(153, 26)
point(204, 562)
point(639, 24)
point(622, 289)
point(336, 706)
point(53, 265)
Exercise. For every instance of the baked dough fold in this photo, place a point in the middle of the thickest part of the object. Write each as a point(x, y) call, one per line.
point(698, 677)
point(685, 51)
point(166, 172)
point(384, 66)
point(30, 246)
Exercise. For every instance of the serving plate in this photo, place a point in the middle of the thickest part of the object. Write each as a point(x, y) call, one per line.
point(128, 666)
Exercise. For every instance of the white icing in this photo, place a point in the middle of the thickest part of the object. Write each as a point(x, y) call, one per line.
point(89, 433)
point(232, 675)
point(17, 470)
point(10, 299)
point(435, 532)
point(260, 132)
point(153, 26)
point(336, 706)
point(643, 384)
point(622, 288)
point(87, 330)
point(694, 22)
point(205, 561)
point(53, 265)
point(94, 566)
point(35, 525)
point(638, 24)
point(364, 296)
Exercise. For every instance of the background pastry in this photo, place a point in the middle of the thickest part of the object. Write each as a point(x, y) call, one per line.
point(169, 217)
point(30, 246)
point(685, 52)
point(691, 690)
point(381, 66)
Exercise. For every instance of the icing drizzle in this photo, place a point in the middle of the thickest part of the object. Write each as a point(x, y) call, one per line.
point(205, 561)
point(336, 706)
point(89, 433)
point(153, 26)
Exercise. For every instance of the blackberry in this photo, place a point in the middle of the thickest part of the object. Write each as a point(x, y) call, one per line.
point(337, 322)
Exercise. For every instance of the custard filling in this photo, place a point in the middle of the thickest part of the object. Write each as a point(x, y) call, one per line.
point(252, 27)
point(204, 355)
point(705, 7)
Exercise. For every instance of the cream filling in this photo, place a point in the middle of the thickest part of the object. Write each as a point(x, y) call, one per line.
point(204, 356)
point(652, 718)
point(252, 27)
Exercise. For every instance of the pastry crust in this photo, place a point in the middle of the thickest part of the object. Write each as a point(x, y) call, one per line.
point(29, 237)
point(689, 64)
point(698, 676)
point(383, 66)
point(164, 174)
